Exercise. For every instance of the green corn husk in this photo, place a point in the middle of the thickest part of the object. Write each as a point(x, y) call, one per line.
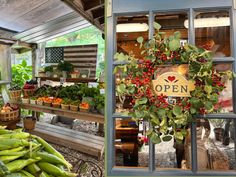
point(4, 131)
point(11, 151)
point(48, 147)
point(16, 135)
point(33, 169)
point(7, 159)
point(3, 169)
point(54, 170)
point(16, 175)
point(26, 173)
point(50, 158)
point(18, 165)
point(6, 144)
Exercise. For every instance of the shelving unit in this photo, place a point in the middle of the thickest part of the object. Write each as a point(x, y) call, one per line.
point(66, 113)
point(75, 80)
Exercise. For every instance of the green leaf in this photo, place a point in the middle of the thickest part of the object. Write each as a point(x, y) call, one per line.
point(167, 138)
point(24, 63)
point(157, 26)
point(174, 44)
point(161, 113)
point(163, 122)
point(179, 136)
point(155, 138)
point(149, 132)
point(140, 39)
point(177, 110)
point(142, 100)
point(208, 89)
point(193, 110)
point(209, 106)
point(121, 88)
point(177, 34)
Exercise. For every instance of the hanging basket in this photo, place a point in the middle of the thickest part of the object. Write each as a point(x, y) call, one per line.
point(15, 95)
point(9, 116)
point(29, 92)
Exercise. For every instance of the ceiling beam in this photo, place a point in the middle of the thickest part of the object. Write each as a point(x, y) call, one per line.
point(77, 5)
point(93, 4)
point(98, 13)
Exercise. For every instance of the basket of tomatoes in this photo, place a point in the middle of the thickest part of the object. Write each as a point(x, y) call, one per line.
point(56, 102)
point(84, 107)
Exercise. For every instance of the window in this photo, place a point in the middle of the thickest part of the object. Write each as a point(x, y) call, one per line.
point(211, 137)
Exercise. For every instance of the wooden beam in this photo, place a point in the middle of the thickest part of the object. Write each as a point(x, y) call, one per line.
point(98, 13)
point(93, 4)
point(78, 7)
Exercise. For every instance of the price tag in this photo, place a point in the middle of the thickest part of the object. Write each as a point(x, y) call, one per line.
point(102, 91)
point(92, 84)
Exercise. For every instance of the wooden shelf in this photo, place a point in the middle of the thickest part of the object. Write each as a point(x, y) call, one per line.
point(76, 80)
point(4, 82)
point(70, 114)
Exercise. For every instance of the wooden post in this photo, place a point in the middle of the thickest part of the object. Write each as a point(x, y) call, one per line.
point(34, 59)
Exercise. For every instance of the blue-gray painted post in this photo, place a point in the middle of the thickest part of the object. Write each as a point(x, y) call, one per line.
point(152, 164)
point(110, 93)
point(191, 34)
point(233, 31)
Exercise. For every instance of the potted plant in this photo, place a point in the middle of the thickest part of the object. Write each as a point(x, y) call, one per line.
point(65, 67)
point(65, 104)
point(100, 103)
point(29, 122)
point(218, 130)
point(48, 70)
point(74, 105)
point(33, 100)
point(56, 102)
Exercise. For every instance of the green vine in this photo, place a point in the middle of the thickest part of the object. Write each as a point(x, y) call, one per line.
point(169, 120)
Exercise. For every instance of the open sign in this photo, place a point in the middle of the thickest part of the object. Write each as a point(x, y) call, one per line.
point(173, 84)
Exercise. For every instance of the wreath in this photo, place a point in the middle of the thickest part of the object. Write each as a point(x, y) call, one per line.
point(135, 79)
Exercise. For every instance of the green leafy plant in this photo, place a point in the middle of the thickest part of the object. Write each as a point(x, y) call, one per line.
point(75, 102)
point(21, 73)
point(48, 69)
point(65, 66)
point(169, 120)
point(66, 101)
point(99, 101)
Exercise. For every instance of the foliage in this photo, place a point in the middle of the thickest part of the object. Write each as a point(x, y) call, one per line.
point(99, 101)
point(65, 66)
point(217, 123)
point(168, 120)
point(75, 102)
point(21, 73)
point(48, 69)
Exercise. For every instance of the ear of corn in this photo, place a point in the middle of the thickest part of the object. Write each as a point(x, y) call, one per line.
point(49, 148)
point(26, 173)
point(11, 151)
point(24, 155)
point(12, 143)
point(3, 169)
point(21, 135)
point(50, 158)
point(4, 131)
point(18, 165)
point(54, 170)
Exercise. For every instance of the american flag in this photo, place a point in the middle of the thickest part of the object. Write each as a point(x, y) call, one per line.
point(83, 57)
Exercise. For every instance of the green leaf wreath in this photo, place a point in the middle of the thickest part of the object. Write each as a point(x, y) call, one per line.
point(168, 120)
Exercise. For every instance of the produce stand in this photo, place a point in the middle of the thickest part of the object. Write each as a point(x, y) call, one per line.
point(67, 113)
point(75, 80)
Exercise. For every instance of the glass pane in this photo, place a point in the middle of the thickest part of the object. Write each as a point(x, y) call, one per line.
point(129, 28)
point(225, 103)
point(212, 31)
point(171, 22)
point(131, 143)
point(215, 145)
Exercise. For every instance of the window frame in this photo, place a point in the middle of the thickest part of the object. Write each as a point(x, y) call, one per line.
point(127, 7)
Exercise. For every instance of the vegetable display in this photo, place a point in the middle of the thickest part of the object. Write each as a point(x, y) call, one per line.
point(26, 155)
